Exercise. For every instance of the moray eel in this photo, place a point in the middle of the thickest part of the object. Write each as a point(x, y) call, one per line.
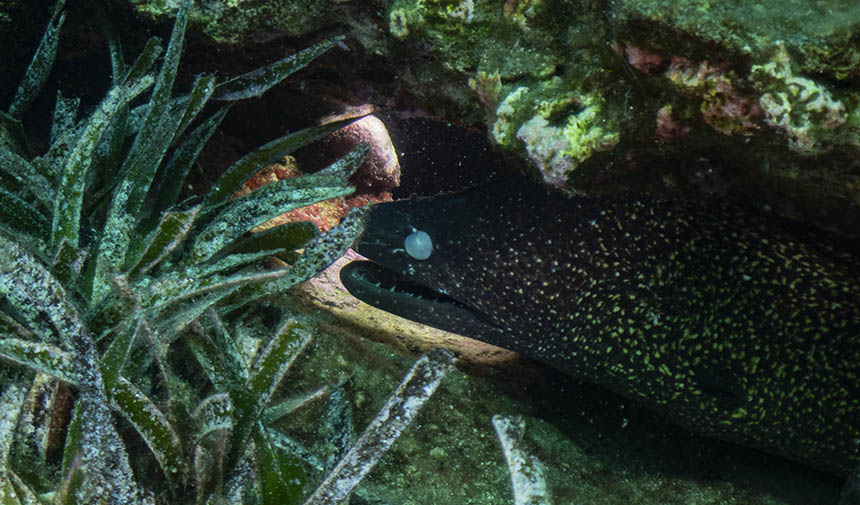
point(735, 325)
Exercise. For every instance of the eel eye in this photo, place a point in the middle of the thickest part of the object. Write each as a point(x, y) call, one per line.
point(418, 245)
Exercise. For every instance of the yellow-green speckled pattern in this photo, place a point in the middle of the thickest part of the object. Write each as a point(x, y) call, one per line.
point(740, 326)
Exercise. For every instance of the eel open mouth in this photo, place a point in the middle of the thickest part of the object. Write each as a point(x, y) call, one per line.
point(392, 292)
point(372, 280)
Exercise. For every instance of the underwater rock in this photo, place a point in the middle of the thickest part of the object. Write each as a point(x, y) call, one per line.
point(380, 172)
point(766, 94)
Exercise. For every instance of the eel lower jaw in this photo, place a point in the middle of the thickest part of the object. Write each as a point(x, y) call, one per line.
point(366, 279)
point(404, 297)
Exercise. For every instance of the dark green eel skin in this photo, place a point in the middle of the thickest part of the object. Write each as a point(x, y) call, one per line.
point(735, 325)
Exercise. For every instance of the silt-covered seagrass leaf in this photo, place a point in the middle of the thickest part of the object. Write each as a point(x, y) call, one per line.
point(111, 145)
point(41, 418)
point(73, 476)
point(270, 367)
point(287, 236)
point(40, 66)
point(22, 218)
point(23, 177)
point(114, 46)
point(45, 307)
point(65, 110)
point(110, 153)
point(177, 167)
point(169, 323)
point(347, 164)
point(10, 405)
point(158, 347)
point(227, 263)
point(69, 200)
point(393, 418)
point(9, 327)
point(152, 425)
point(179, 286)
point(288, 405)
point(254, 209)
point(233, 367)
point(527, 471)
point(50, 164)
point(281, 475)
point(40, 302)
point(274, 360)
point(233, 219)
point(214, 413)
point(257, 82)
point(202, 90)
point(118, 350)
point(68, 263)
point(168, 235)
point(145, 60)
point(13, 490)
point(12, 136)
point(156, 132)
point(40, 356)
point(218, 363)
point(139, 168)
point(238, 173)
point(318, 255)
point(249, 393)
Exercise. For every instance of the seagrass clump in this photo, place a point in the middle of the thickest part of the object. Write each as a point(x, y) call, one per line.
point(108, 281)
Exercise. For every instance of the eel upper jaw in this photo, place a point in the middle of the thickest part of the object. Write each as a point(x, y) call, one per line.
point(400, 295)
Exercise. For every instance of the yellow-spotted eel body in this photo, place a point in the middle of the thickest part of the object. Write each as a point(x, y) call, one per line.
point(734, 324)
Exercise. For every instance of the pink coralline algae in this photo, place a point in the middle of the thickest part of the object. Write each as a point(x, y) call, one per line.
point(724, 108)
point(642, 60)
point(668, 128)
point(806, 112)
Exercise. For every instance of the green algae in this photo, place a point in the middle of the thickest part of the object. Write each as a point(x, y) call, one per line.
point(235, 20)
point(821, 29)
point(561, 129)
